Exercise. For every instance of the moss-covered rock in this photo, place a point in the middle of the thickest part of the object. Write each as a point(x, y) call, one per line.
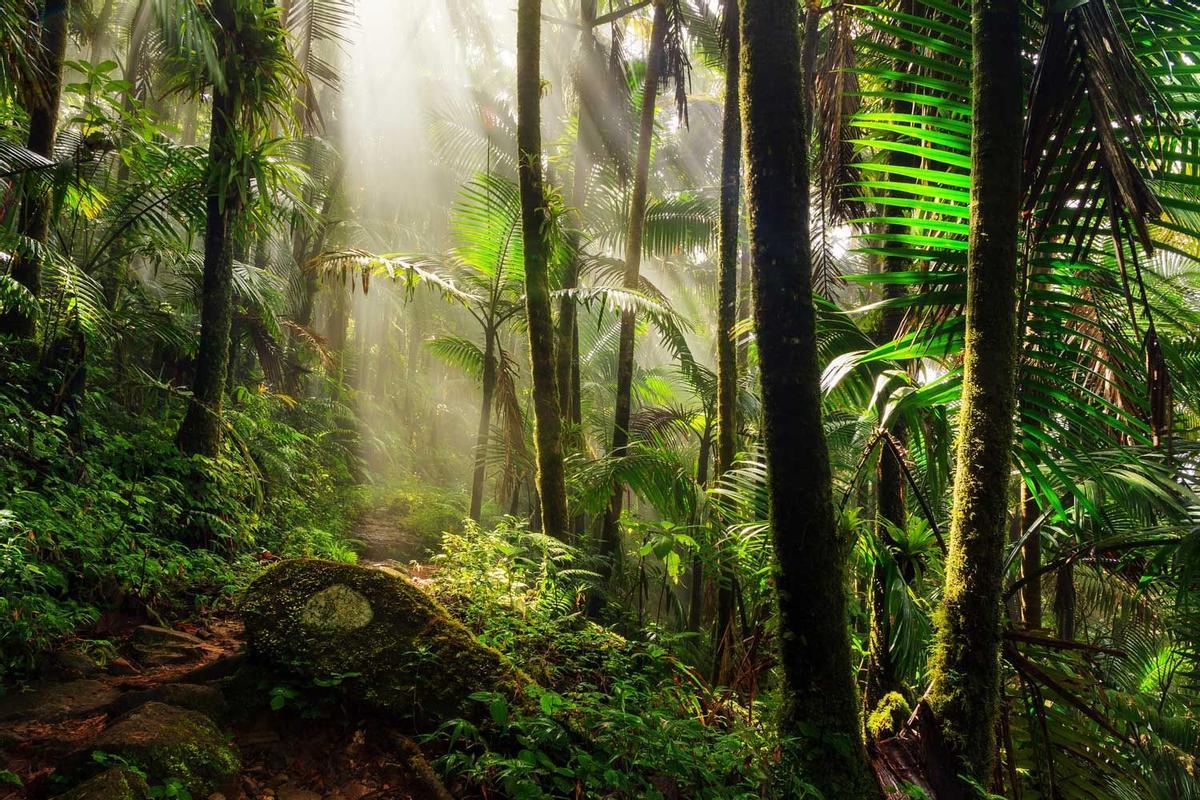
point(889, 716)
point(323, 619)
point(112, 784)
point(167, 742)
point(208, 700)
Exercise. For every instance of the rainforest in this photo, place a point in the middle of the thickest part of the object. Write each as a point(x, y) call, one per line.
point(667, 399)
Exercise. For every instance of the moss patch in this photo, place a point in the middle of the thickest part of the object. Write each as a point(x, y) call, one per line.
point(889, 716)
point(167, 742)
point(323, 619)
point(113, 784)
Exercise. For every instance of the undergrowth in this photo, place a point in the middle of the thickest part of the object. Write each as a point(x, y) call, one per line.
point(611, 716)
point(99, 511)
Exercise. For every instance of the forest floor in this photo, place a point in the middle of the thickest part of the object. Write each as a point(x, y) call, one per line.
point(294, 750)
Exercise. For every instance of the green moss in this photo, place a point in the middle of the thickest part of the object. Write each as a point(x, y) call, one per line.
point(889, 716)
point(113, 784)
point(169, 742)
point(409, 658)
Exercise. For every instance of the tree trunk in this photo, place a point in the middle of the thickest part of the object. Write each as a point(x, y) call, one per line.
point(1031, 562)
point(819, 705)
point(566, 351)
point(547, 419)
point(965, 664)
point(696, 601)
point(727, 314)
point(42, 103)
point(200, 432)
point(633, 264)
point(485, 423)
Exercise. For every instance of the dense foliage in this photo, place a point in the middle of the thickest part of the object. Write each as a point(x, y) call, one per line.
point(258, 235)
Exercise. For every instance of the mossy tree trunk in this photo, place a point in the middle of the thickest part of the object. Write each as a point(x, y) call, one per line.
point(200, 432)
point(727, 312)
point(44, 95)
point(609, 545)
point(547, 418)
point(490, 374)
point(820, 709)
point(965, 665)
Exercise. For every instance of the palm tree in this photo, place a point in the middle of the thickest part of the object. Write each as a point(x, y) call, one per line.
point(665, 61)
point(547, 419)
point(251, 84)
point(43, 95)
point(820, 717)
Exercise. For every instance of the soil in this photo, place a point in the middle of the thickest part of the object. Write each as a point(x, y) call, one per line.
point(295, 753)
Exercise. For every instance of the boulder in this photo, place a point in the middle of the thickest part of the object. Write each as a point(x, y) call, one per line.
point(208, 700)
point(112, 784)
point(403, 652)
point(166, 742)
point(55, 702)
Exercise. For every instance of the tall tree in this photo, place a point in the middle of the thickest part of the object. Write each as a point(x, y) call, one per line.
point(727, 304)
point(252, 77)
point(965, 666)
point(820, 713)
point(43, 95)
point(200, 432)
point(657, 71)
point(567, 362)
point(547, 419)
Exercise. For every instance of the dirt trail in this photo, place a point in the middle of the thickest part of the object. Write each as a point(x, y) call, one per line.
point(284, 754)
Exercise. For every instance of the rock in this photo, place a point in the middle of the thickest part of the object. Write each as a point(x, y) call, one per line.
point(71, 665)
point(327, 620)
point(167, 742)
point(121, 667)
point(112, 784)
point(54, 702)
point(156, 646)
point(206, 699)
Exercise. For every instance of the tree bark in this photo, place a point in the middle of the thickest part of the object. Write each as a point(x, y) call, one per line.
point(42, 104)
point(485, 423)
point(547, 417)
point(819, 705)
point(566, 351)
point(609, 545)
point(1031, 562)
point(727, 314)
point(200, 433)
point(965, 664)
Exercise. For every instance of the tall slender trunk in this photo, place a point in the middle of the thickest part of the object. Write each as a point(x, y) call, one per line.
point(1031, 561)
point(633, 264)
point(485, 423)
point(42, 104)
point(100, 35)
point(727, 314)
point(547, 418)
point(820, 709)
point(200, 432)
point(696, 601)
point(566, 351)
point(965, 665)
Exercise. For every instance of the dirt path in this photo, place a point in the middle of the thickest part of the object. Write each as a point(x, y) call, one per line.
point(285, 755)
